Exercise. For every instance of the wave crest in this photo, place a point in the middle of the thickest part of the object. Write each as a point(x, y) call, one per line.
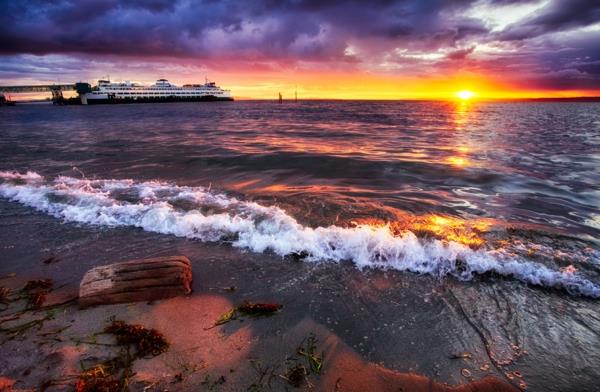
point(210, 216)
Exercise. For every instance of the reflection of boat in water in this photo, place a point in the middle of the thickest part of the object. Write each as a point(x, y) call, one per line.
point(161, 91)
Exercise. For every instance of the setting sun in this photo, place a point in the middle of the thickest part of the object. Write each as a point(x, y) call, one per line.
point(465, 94)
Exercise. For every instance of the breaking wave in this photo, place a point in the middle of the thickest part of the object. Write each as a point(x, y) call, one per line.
point(197, 212)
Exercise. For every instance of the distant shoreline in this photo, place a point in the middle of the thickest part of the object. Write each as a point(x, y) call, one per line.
point(572, 99)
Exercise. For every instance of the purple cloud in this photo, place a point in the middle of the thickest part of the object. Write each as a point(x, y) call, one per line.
point(411, 37)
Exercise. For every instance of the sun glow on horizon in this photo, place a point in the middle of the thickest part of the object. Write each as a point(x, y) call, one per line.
point(462, 88)
point(465, 94)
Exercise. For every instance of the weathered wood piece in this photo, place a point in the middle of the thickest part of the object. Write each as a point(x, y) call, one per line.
point(136, 280)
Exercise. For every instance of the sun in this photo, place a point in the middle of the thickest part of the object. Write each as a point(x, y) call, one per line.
point(465, 94)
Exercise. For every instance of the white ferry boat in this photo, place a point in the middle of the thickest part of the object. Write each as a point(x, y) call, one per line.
point(161, 91)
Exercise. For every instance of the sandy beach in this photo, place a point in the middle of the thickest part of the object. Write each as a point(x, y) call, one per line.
point(246, 353)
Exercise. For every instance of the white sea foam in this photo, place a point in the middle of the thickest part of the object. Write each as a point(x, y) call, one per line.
point(260, 228)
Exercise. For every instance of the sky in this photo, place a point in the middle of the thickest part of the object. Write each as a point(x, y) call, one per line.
point(377, 49)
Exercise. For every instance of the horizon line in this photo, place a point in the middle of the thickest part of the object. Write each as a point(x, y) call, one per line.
point(583, 98)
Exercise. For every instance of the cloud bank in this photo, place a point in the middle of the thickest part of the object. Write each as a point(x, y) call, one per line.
point(544, 44)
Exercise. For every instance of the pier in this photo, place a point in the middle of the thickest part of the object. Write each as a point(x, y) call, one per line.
point(55, 89)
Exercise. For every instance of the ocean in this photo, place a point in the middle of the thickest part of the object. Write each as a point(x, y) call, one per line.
point(481, 218)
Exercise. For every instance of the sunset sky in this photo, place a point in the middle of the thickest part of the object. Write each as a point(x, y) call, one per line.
point(327, 49)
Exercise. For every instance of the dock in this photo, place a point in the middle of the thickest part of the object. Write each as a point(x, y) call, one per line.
point(55, 89)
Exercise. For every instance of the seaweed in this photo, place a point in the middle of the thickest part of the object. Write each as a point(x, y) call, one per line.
point(99, 379)
point(113, 375)
point(297, 373)
point(247, 308)
point(34, 293)
point(308, 350)
point(226, 317)
point(22, 328)
point(147, 342)
point(54, 332)
point(259, 309)
point(98, 385)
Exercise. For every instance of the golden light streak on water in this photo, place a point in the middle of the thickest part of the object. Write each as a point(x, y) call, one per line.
point(458, 161)
point(452, 229)
point(446, 228)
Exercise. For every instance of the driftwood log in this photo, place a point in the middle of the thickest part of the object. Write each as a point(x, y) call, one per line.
point(136, 280)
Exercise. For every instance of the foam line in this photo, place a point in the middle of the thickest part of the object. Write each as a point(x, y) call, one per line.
point(212, 216)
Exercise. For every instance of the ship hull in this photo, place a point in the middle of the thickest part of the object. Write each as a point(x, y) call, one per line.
point(109, 101)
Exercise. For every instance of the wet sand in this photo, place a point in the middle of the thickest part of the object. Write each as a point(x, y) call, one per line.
point(377, 329)
point(245, 354)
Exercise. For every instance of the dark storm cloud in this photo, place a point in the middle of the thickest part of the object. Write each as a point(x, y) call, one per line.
point(577, 56)
point(257, 28)
point(416, 37)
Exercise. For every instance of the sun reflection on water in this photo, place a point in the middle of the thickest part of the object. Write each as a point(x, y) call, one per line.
point(463, 117)
point(446, 228)
point(462, 113)
point(458, 161)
